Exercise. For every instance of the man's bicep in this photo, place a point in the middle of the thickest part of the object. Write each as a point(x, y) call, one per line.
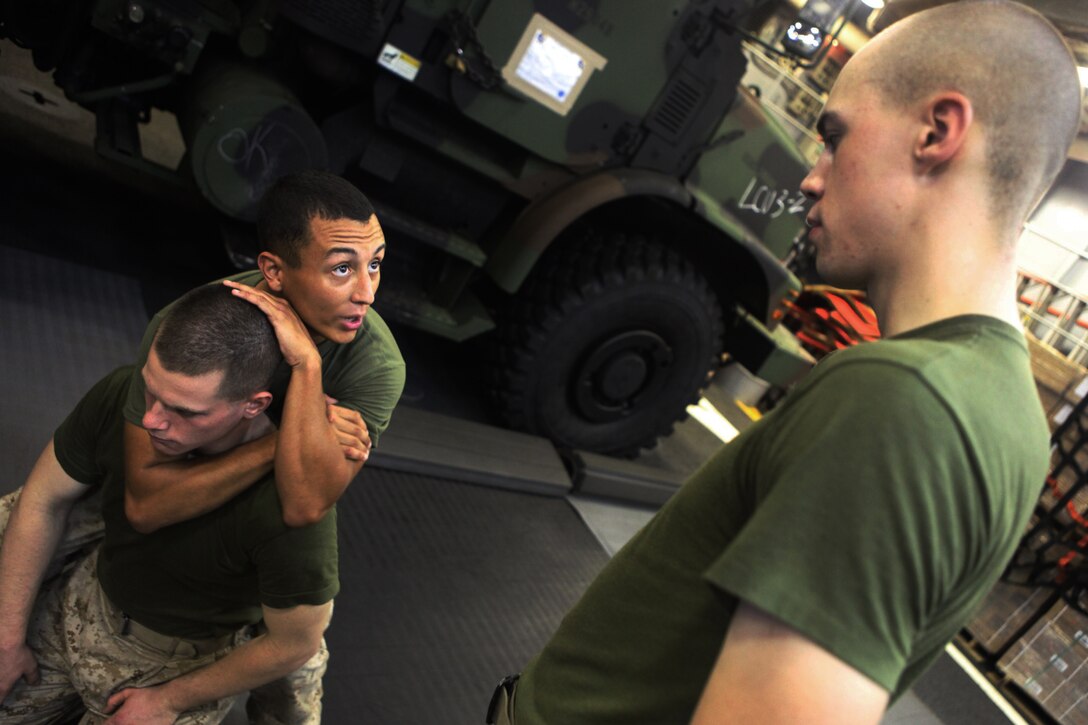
point(768, 672)
point(303, 623)
point(49, 483)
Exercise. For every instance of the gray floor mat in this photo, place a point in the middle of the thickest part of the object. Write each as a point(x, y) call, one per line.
point(62, 327)
point(446, 587)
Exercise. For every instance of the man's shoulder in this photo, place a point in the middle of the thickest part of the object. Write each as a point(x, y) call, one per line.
point(252, 277)
point(949, 347)
point(93, 426)
point(376, 332)
point(108, 394)
point(249, 277)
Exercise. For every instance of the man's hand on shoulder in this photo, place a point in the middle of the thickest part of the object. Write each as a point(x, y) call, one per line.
point(140, 706)
point(16, 663)
point(295, 342)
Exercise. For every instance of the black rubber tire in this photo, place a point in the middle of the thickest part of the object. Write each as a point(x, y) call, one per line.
point(609, 341)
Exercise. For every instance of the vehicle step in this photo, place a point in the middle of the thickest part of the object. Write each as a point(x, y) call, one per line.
point(419, 441)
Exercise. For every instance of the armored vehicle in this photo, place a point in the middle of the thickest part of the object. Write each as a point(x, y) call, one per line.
point(585, 181)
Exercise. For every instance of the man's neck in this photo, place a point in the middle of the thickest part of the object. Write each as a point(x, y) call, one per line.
point(248, 429)
point(895, 320)
point(955, 276)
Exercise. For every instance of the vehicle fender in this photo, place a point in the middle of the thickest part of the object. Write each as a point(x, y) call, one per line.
point(543, 221)
point(533, 231)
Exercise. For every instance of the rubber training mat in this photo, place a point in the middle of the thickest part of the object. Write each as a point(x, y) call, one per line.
point(62, 327)
point(445, 588)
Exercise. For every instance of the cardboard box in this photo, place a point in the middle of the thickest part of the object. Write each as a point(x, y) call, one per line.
point(1050, 664)
point(1004, 610)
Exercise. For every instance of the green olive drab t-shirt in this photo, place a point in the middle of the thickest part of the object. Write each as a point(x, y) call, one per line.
point(204, 577)
point(366, 374)
point(871, 511)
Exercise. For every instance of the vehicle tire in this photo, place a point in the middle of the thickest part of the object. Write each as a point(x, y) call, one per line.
point(606, 345)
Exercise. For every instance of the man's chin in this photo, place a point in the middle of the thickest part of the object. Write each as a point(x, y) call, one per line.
point(337, 335)
point(836, 276)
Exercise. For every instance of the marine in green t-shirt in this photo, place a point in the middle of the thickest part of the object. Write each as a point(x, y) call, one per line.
point(201, 578)
point(871, 511)
point(156, 627)
point(816, 565)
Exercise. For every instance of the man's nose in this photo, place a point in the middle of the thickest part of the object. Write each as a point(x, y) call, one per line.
point(153, 418)
point(812, 186)
point(364, 290)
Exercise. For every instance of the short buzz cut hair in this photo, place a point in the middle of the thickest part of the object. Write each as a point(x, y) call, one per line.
point(1018, 73)
point(209, 329)
point(285, 211)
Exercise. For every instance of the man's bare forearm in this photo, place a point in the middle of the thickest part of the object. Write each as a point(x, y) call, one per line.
point(312, 471)
point(293, 637)
point(160, 492)
point(31, 537)
point(251, 665)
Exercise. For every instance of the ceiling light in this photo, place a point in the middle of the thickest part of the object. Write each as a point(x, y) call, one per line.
point(874, 4)
point(1083, 75)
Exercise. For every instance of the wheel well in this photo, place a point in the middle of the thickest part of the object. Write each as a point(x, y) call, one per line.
point(729, 268)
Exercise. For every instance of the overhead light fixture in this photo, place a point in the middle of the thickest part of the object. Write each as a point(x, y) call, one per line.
point(874, 4)
point(1083, 75)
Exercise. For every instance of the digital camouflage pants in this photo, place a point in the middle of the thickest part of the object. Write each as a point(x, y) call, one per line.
point(84, 657)
point(292, 700)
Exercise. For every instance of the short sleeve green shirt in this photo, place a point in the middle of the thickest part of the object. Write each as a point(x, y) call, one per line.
point(871, 511)
point(366, 374)
point(199, 578)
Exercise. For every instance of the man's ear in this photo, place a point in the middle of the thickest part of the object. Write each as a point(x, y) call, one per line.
point(947, 118)
point(257, 404)
point(271, 267)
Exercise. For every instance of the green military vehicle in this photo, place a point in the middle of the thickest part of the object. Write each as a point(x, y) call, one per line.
point(583, 180)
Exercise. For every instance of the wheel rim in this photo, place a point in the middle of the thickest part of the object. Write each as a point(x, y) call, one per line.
point(620, 373)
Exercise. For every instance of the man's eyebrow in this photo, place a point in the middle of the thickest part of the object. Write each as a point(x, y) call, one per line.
point(175, 408)
point(181, 409)
point(351, 251)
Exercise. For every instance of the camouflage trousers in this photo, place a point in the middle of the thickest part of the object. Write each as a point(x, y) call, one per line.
point(84, 656)
point(292, 700)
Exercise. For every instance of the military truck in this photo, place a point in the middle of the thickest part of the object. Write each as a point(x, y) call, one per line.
point(582, 180)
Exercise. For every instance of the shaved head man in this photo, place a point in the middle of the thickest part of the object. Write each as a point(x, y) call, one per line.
point(819, 563)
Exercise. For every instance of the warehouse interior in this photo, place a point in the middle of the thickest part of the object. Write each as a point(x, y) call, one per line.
point(463, 543)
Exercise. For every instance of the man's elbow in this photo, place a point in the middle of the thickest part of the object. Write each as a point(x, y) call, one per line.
point(140, 516)
point(309, 501)
point(303, 645)
point(303, 515)
point(303, 652)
